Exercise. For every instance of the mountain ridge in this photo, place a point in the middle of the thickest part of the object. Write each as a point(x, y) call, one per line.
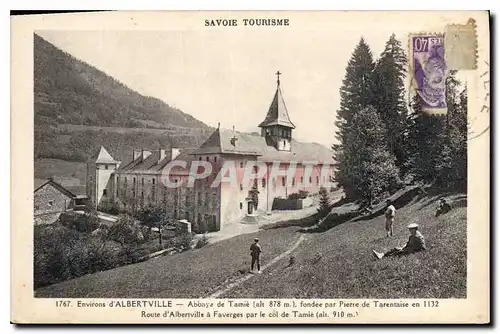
point(79, 107)
point(60, 79)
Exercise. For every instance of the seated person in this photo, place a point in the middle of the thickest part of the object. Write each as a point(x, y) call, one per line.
point(416, 243)
point(443, 207)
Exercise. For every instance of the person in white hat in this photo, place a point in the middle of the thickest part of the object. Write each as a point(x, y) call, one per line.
point(390, 212)
point(416, 243)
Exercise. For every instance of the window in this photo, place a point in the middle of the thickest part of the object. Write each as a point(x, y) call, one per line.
point(142, 194)
point(105, 166)
point(263, 183)
point(241, 164)
point(208, 158)
point(283, 180)
point(116, 192)
point(241, 186)
point(133, 193)
point(293, 181)
point(134, 181)
point(301, 180)
point(153, 181)
point(104, 192)
point(284, 142)
point(241, 206)
point(51, 203)
point(199, 158)
point(310, 179)
point(215, 159)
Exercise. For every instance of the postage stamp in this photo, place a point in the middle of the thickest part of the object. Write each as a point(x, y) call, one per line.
point(429, 71)
point(460, 42)
point(250, 168)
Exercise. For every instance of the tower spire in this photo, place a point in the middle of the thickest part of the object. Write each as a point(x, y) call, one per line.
point(278, 75)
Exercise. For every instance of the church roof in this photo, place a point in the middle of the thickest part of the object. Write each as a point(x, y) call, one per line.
point(221, 142)
point(278, 113)
point(105, 157)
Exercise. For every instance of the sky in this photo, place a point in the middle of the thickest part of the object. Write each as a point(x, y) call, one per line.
point(228, 76)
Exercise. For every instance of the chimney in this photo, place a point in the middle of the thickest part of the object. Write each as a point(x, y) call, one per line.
point(136, 154)
point(145, 154)
point(163, 154)
point(175, 152)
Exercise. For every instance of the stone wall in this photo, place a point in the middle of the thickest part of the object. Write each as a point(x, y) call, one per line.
point(48, 199)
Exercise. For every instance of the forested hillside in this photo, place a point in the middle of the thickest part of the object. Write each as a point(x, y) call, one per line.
point(69, 91)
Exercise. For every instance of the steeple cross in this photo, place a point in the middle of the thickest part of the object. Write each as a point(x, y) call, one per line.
point(278, 75)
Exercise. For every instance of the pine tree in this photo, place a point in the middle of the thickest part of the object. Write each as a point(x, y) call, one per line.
point(372, 170)
point(438, 152)
point(451, 169)
point(426, 142)
point(324, 202)
point(356, 93)
point(389, 97)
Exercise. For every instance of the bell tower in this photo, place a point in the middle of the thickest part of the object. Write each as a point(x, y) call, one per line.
point(277, 127)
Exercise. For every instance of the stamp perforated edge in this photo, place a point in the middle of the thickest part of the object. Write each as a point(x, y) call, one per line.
point(473, 24)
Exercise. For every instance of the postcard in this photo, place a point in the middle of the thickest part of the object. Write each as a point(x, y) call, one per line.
point(250, 167)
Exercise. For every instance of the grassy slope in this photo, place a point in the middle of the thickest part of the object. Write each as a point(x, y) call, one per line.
point(194, 273)
point(71, 170)
point(347, 270)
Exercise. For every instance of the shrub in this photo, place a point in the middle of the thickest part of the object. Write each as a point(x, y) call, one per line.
point(126, 231)
point(153, 216)
point(302, 194)
point(83, 223)
point(180, 243)
point(324, 202)
point(202, 242)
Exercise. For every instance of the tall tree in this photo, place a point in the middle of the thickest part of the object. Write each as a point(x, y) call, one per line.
point(372, 170)
point(439, 142)
point(356, 94)
point(389, 97)
point(451, 169)
point(426, 142)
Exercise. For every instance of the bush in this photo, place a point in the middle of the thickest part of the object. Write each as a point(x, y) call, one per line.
point(153, 215)
point(324, 202)
point(126, 231)
point(302, 194)
point(83, 223)
point(50, 254)
point(180, 243)
point(202, 242)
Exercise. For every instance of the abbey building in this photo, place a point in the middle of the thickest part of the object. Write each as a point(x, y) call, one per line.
point(283, 166)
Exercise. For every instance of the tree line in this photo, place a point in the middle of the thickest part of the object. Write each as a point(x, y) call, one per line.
point(385, 140)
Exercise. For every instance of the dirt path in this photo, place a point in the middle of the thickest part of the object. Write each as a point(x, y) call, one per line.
point(224, 288)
